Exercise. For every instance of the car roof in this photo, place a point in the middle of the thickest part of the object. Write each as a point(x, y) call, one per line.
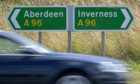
point(6, 34)
point(3, 32)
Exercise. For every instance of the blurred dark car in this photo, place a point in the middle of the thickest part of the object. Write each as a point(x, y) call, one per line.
point(25, 62)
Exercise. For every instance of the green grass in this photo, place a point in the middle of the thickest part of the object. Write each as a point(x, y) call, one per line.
point(134, 73)
point(121, 45)
point(135, 78)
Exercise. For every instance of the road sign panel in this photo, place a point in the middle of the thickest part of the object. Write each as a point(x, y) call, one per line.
point(102, 18)
point(86, 18)
point(38, 18)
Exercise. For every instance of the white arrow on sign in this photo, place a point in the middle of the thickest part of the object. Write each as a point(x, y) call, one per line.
point(127, 18)
point(13, 18)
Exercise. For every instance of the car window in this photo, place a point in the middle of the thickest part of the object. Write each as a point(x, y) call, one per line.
point(8, 47)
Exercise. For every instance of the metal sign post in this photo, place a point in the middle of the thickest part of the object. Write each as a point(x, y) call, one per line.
point(70, 26)
point(40, 37)
point(103, 47)
point(69, 42)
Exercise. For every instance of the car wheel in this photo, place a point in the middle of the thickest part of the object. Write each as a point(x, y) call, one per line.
point(73, 79)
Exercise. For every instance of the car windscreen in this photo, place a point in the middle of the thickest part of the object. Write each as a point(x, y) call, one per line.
point(27, 43)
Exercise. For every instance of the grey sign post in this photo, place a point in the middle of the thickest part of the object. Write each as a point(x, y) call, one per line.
point(40, 37)
point(103, 38)
point(70, 27)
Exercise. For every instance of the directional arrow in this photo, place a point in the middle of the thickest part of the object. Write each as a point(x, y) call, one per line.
point(127, 18)
point(13, 18)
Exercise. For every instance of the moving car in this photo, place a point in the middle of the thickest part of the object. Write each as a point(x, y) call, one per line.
point(25, 62)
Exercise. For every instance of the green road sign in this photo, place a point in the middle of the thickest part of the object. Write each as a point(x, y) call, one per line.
point(38, 18)
point(102, 18)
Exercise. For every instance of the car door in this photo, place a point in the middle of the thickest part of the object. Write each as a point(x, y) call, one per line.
point(17, 67)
